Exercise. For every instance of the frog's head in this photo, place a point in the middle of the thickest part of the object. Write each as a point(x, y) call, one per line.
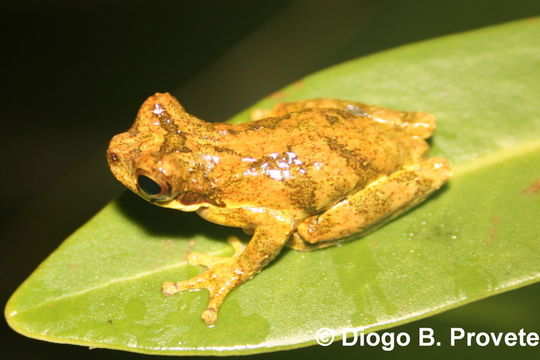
point(154, 158)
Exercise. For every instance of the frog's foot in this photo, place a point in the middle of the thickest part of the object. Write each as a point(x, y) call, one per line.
point(222, 276)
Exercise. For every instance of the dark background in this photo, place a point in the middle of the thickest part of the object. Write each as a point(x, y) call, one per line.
point(75, 72)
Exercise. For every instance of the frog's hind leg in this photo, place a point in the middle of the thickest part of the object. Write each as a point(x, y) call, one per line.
point(416, 124)
point(284, 108)
point(374, 205)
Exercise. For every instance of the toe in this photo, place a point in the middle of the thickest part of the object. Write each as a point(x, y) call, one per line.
point(198, 282)
point(169, 288)
point(237, 245)
point(209, 316)
point(195, 258)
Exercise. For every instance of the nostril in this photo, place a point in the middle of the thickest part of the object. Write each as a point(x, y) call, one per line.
point(114, 157)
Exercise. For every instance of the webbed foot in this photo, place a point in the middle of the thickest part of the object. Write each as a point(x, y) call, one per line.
point(223, 275)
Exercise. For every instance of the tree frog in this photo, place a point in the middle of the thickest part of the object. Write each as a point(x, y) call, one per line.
point(306, 174)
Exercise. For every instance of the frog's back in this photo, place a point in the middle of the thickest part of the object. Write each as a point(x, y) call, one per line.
point(325, 134)
point(314, 157)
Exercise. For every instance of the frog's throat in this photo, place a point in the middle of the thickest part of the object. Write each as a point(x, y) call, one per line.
point(177, 205)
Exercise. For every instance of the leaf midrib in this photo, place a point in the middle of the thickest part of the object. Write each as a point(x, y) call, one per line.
point(109, 283)
point(497, 157)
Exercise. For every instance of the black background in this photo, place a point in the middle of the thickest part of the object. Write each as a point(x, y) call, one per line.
point(75, 72)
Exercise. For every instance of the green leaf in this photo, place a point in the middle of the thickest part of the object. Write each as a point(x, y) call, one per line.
point(476, 237)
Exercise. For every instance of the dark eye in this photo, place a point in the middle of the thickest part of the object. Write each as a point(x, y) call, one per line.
point(149, 186)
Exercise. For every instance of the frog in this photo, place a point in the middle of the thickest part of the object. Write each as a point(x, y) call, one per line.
point(306, 174)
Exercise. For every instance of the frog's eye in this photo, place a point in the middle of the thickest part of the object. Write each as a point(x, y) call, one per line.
point(152, 188)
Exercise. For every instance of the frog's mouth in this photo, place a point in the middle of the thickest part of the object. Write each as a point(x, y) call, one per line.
point(158, 191)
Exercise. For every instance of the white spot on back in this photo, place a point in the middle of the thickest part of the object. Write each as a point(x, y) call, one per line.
point(158, 110)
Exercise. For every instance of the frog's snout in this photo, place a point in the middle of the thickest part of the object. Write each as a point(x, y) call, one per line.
point(113, 157)
point(117, 146)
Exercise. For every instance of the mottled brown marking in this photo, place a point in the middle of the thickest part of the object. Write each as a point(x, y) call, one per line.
point(332, 120)
point(353, 159)
point(265, 159)
point(220, 149)
point(344, 114)
point(232, 131)
point(189, 198)
point(424, 184)
point(183, 149)
point(266, 123)
point(175, 139)
point(301, 191)
point(134, 154)
point(193, 198)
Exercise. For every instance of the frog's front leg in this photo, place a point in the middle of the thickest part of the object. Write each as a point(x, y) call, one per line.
point(374, 205)
point(224, 274)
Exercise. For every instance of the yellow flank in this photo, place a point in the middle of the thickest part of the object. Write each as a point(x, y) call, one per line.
point(306, 174)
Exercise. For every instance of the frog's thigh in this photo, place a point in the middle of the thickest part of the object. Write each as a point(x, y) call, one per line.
point(283, 108)
point(381, 201)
